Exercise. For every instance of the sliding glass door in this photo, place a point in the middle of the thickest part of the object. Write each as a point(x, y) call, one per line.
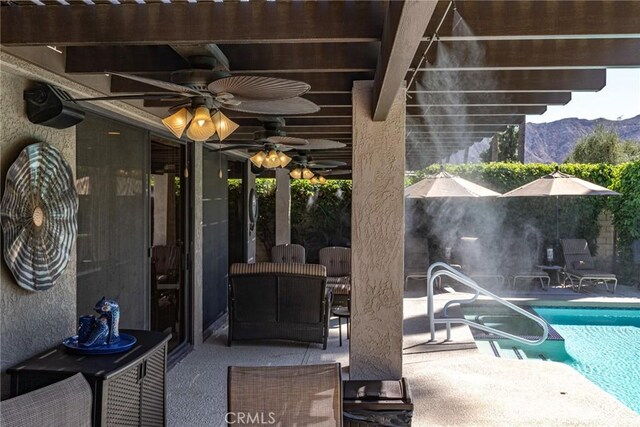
point(168, 227)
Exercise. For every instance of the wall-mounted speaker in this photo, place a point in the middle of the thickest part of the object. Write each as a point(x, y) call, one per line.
point(52, 107)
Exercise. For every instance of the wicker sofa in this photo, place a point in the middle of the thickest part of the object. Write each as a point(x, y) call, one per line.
point(279, 301)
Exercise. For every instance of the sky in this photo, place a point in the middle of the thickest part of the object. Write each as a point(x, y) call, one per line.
point(619, 99)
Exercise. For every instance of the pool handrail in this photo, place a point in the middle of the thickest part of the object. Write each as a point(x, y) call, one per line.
point(447, 270)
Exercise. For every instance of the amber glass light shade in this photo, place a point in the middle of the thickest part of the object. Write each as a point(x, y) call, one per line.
point(313, 180)
point(201, 127)
point(224, 125)
point(258, 158)
point(272, 160)
point(322, 180)
point(284, 159)
point(307, 174)
point(177, 122)
point(296, 173)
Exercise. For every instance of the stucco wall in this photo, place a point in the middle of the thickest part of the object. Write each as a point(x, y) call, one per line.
point(377, 238)
point(31, 322)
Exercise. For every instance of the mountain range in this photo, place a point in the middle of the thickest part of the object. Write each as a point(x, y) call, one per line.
point(553, 141)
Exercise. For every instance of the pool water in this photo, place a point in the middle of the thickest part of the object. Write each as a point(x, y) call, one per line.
point(603, 345)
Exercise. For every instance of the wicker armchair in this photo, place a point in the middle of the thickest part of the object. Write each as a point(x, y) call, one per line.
point(300, 395)
point(337, 260)
point(279, 301)
point(288, 254)
point(65, 403)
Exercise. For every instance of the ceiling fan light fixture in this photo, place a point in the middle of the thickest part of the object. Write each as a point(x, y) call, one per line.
point(296, 173)
point(258, 158)
point(306, 173)
point(224, 125)
point(313, 180)
point(322, 180)
point(177, 122)
point(284, 159)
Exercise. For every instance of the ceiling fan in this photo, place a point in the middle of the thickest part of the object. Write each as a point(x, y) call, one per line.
point(270, 144)
point(313, 170)
point(203, 91)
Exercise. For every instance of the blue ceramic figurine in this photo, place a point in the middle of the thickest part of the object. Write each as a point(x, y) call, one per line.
point(102, 330)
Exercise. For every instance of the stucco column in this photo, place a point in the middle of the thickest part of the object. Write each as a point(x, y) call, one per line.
point(283, 207)
point(196, 177)
point(377, 234)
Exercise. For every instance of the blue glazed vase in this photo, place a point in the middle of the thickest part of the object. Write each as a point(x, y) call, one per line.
point(85, 326)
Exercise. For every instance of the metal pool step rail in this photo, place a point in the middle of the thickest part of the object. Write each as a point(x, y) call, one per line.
point(440, 269)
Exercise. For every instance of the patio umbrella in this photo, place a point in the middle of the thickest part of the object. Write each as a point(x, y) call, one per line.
point(445, 185)
point(559, 184)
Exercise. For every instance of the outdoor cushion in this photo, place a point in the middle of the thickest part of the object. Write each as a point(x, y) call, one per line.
point(340, 288)
point(288, 253)
point(341, 280)
point(596, 274)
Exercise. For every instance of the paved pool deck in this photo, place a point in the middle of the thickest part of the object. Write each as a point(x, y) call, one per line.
point(452, 383)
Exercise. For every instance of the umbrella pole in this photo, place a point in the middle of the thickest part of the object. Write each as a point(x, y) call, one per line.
point(557, 221)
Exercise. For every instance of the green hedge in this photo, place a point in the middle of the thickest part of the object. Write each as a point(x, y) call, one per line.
point(320, 215)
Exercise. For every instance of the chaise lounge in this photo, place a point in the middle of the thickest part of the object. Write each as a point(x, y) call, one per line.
point(579, 265)
point(279, 301)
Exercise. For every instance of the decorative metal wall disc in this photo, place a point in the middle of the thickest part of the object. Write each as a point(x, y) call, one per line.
point(38, 216)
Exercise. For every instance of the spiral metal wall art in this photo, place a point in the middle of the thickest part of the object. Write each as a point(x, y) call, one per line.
point(38, 216)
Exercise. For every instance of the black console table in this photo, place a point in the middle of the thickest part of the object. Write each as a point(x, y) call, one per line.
point(129, 389)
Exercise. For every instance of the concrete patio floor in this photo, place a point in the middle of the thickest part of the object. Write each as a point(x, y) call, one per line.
point(452, 383)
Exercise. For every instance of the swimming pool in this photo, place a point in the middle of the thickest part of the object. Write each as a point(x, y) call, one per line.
point(603, 344)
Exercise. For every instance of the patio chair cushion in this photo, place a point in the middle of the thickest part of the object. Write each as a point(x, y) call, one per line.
point(337, 260)
point(298, 395)
point(290, 253)
point(65, 403)
point(340, 288)
point(592, 273)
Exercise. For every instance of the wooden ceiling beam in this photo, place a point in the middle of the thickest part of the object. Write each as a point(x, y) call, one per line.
point(536, 19)
point(455, 121)
point(455, 129)
point(297, 121)
point(420, 111)
point(404, 24)
point(509, 81)
point(530, 54)
point(254, 58)
point(491, 98)
point(124, 59)
point(193, 23)
point(324, 112)
point(322, 99)
point(320, 82)
point(291, 57)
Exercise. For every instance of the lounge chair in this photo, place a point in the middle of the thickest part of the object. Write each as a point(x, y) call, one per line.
point(473, 254)
point(337, 261)
point(300, 395)
point(522, 257)
point(288, 254)
point(579, 265)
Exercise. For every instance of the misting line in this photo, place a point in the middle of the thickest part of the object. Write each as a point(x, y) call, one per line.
point(426, 51)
